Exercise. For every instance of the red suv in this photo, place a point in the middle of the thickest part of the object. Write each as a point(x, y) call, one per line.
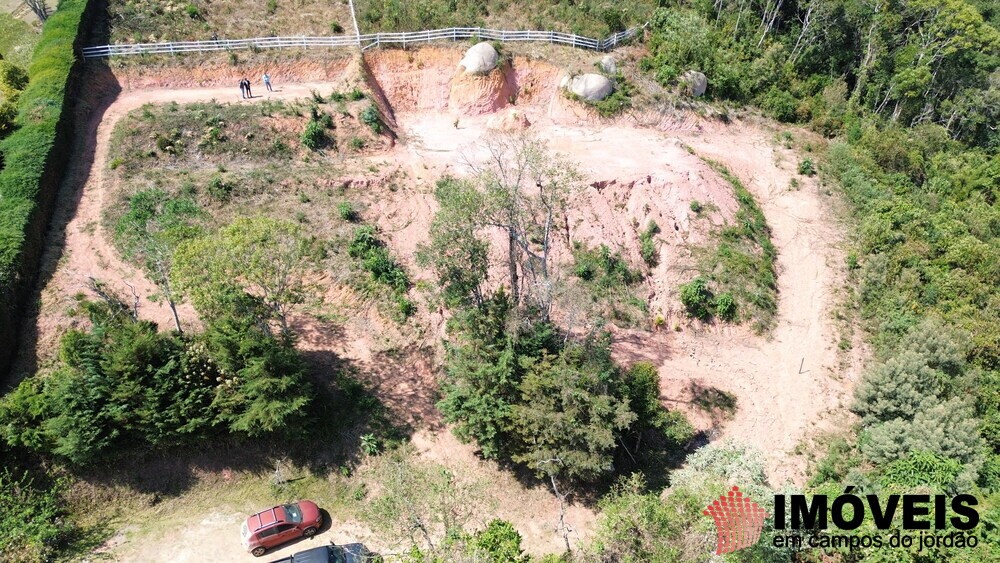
point(280, 524)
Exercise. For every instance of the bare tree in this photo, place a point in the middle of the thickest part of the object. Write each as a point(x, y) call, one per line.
point(39, 8)
point(526, 189)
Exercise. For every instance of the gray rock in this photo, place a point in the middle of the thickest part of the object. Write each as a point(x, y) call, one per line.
point(695, 82)
point(590, 87)
point(480, 59)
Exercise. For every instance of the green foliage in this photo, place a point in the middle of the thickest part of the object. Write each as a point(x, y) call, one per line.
point(921, 469)
point(499, 542)
point(32, 162)
point(647, 244)
point(336, 28)
point(272, 7)
point(458, 255)
point(637, 525)
point(346, 211)
point(696, 206)
point(253, 267)
point(696, 298)
point(33, 520)
point(376, 260)
point(122, 384)
point(618, 101)
point(558, 408)
point(371, 117)
point(603, 268)
point(314, 136)
point(740, 264)
point(725, 307)
point(807, 168)
point(192, 11)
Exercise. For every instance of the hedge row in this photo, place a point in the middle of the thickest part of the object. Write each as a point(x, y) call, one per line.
point(34, 159)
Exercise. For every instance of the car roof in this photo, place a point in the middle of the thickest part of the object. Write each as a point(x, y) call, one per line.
point(353, 553)
point(266, 518)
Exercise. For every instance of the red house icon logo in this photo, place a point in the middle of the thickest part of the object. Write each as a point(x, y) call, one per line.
point(739, 521)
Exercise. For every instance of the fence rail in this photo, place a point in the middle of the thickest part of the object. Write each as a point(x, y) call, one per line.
point(364, 41)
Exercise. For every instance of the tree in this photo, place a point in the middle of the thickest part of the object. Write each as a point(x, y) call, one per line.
point(460, 258)
point(267, 259)
point(524, 190)
point(149, 232)
point(899, 388)
point(569, 412)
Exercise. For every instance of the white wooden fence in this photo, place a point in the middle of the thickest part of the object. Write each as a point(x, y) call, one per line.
point(364, 41)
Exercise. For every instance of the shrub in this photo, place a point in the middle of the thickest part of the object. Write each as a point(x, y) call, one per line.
point(370, 117)
point(346, 211)
point(272, 6)
point(696, 206)
point(192, 11)
point(355, 95)
point(806, 167)
point(336, 28)
point(696, 298)
point(779, 104)
point(647, 244)
point(220, 189)
point(314, 136)
point(725, 307)
point(33, 522)
point(357, 143)
point(375, 259)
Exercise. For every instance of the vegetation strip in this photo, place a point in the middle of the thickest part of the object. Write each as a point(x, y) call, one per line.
point(34, 159)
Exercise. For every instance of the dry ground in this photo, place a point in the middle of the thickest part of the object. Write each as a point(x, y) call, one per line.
point(789, 385)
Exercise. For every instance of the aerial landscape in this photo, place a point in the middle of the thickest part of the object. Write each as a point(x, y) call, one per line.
point(504, 281)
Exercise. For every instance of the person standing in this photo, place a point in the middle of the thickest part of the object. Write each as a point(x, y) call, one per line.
point(243, 88)
point(246, 81)
point(267, 82)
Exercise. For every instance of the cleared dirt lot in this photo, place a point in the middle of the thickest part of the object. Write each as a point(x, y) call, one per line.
point(789, 385)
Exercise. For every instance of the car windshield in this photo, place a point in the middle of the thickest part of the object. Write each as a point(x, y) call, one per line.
point(338, 555)
point(293, 512)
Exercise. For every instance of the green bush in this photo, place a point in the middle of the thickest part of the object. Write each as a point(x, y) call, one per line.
point(33, 520)
point(370, 117)
point(346, 211)
point(697, 299)
point(806, 167)
point(725, 307)
point(176, 388)
point(376, 260)
point(647, 244)
point(314, 136)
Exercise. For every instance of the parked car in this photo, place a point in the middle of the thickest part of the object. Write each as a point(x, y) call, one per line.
point(348, 553)
point(280, 524)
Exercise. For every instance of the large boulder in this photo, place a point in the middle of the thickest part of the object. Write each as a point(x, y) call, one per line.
point(590, 87)
point(694, 82)
point(480, 59)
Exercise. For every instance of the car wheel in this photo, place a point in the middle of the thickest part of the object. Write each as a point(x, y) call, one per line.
point(309, 532)
point(258, 551)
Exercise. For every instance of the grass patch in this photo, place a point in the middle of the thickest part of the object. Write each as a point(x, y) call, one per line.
point(611, 284)
point(17, 40)
point(737, 280)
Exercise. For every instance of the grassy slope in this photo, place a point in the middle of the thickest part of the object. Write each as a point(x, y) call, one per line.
point(150, 20)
